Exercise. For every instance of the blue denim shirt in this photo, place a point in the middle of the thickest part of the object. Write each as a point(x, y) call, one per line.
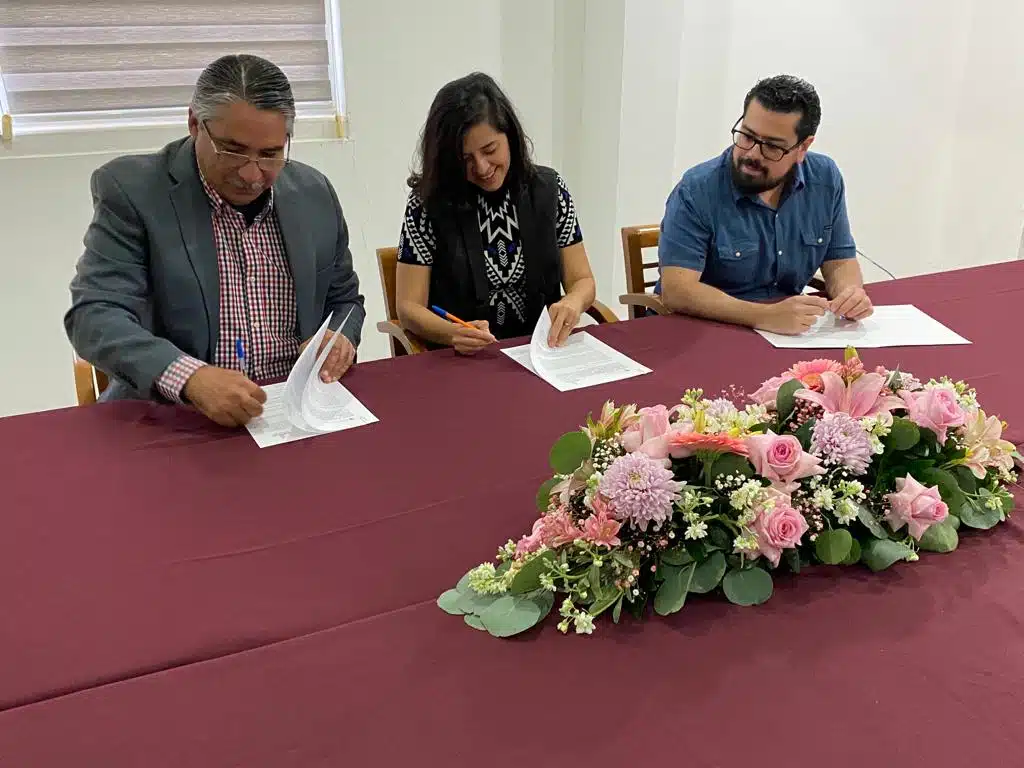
point(745, 248)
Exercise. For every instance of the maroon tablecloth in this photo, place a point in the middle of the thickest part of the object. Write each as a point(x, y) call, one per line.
point(173, 595)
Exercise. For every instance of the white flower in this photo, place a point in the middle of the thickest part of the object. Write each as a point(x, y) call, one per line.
point(547, 582)
point(846, 512)
point(746, 543)
point(563, 626)
point(584, 623)
point(745, 496)
point(697, 530)
point(567, 609)
point(851, 488)
point(823, 498)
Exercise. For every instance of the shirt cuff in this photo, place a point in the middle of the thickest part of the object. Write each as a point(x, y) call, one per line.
point(172, 381)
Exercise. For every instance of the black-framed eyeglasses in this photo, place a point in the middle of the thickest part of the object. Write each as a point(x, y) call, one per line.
point(770, 152)
point(236, 161)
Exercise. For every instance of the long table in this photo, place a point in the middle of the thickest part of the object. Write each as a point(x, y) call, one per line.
point(173, 595)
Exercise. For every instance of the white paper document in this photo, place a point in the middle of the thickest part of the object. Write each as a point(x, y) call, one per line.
point(304, 406)
point(898, 325)
point(583, 361)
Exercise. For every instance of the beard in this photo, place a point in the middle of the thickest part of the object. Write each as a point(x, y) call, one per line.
point(752, 178)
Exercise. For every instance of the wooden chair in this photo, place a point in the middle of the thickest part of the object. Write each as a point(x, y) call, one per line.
point(405, 343)
point(638, 298)
point(634, 240)
point(402, 342)
point(90, 382)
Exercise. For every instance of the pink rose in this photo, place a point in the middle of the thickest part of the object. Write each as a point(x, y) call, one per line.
point(768, 392)
point(778, 528)
point(781, 459)
point(915, 506)
point(936, 409)
point(647, 434)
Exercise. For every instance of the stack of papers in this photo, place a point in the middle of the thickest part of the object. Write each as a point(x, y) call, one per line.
point(898, 325)
point(304, 406)
point(583, 361)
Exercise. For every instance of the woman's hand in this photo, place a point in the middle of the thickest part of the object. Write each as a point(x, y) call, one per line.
point(469, 341)
point(565, 315)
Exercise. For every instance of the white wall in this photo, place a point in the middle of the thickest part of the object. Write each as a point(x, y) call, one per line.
point(916, 100)
point(397, 54)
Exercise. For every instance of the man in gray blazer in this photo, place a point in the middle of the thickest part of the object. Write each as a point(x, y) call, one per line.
point(211, 264)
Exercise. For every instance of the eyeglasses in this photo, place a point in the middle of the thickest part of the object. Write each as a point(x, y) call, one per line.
point(771, 152)
point(237, 161)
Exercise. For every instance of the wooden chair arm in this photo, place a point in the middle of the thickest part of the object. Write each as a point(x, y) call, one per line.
point(648, 300)
point(412, 344)
point(602, 313)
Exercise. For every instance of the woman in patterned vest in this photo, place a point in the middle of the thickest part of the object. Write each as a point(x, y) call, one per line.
point(488, 236)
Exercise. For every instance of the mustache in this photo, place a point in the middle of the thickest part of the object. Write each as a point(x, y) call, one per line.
point(753, 165)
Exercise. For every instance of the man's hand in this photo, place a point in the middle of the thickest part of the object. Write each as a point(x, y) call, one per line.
point(794, 315)
point(469, 341)
point(852, 303)
point(564, 317)
point(224, 396)
point(338, 361)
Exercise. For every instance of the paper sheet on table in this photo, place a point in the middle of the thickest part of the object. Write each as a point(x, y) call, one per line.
point(304, 406)
point(583, 361)
point(898, 325)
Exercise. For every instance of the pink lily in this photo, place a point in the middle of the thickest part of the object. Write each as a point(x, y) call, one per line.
point(861, 397)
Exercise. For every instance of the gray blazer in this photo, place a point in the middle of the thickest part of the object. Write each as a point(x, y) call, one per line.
point(147, 287)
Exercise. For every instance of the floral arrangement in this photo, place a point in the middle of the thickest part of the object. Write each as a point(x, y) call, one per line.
point(827, 463)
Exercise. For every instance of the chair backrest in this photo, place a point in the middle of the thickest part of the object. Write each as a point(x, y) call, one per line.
point(634, 241)
point(90, 382)
point(387, 264)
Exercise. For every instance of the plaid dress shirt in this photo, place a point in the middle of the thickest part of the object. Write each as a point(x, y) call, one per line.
point(257, 299)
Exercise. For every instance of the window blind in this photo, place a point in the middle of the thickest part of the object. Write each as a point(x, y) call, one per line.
point(74, 56)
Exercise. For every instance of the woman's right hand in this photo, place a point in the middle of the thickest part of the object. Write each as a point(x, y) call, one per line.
point(469, 341)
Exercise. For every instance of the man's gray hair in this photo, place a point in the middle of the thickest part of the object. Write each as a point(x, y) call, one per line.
point(243, 77)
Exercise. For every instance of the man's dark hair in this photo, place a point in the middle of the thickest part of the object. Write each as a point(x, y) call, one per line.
point(786, 93)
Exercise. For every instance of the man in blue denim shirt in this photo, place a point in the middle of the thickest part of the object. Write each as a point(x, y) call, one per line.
point(745, 232)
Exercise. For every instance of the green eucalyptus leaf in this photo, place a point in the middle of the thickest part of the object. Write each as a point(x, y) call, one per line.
point(903, 436)
point(879, 554)
point(671, 594)
point(544, 494)
point(731, 464)
point(450, 602)
point(954, 521)
point(474, 602)
point(941, 537)
point(528, 577)
point(463, 585)
point(617, 610)
point(677, 556)
point(974, 514)
point(511, 614)
point(833, 547)
point(785, 401)
point(751, 586)
point(569, 452)
point(869, 521)
point(474, 621)
point(854, 556)
point(708, 574)
point(792, 558)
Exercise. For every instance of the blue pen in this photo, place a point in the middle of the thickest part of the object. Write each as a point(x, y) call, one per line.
point(240, 354)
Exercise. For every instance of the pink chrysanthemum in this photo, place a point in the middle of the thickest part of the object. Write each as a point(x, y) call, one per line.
point(840, 440)
point(640, 489)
